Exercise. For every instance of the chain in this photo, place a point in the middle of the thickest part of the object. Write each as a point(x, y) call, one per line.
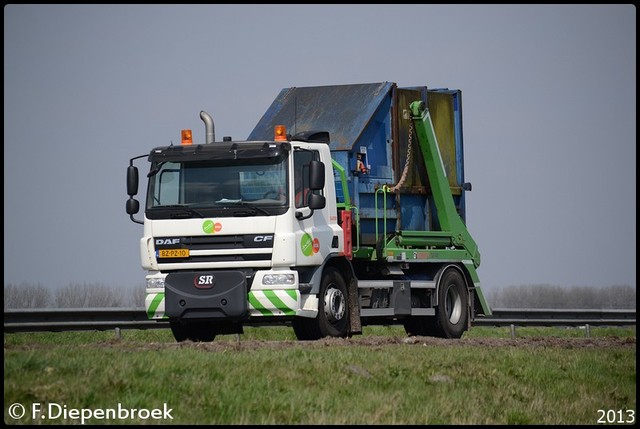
point(407, 163)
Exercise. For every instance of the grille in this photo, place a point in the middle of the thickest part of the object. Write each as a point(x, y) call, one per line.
point(235, 243)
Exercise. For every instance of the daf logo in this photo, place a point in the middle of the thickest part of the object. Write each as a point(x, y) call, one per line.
point(204, 282)
point(262, 238)
point(161, 241)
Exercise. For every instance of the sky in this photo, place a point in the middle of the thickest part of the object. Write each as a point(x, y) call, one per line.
point(549, 120)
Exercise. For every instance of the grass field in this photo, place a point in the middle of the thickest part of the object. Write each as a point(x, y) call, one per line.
point(265, 376)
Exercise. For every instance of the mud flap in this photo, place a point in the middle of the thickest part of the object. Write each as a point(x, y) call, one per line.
point(355, 324)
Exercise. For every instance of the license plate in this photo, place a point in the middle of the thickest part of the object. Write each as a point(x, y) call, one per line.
point(173, 253)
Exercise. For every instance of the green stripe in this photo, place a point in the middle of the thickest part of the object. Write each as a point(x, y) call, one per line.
point(151, 311)
point(292, 293)
point(271, 296)
point(256, 304)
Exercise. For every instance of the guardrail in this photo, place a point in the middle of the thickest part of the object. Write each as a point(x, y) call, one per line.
point(557, 317)
point(79, 319)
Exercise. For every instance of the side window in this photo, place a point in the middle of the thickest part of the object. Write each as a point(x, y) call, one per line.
point(164, 187)
point(301, 161)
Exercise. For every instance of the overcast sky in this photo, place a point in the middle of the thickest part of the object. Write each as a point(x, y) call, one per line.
point(549, 117)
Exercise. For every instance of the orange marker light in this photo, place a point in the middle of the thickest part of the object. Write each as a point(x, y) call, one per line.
point(186, 137)
point(280, 133)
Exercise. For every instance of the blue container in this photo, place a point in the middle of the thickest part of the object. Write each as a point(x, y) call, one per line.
point(369, 127)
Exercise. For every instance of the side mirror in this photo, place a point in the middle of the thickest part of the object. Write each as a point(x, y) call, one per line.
point(133, 206)
point(132, 180)
point(316, 175)
point(316, 202)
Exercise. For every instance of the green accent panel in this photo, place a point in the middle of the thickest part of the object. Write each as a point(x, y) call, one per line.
point(277, 302)
point(153, 306)
point(258, 306)
point(292, 293)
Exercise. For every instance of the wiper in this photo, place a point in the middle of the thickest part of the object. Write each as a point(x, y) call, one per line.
point(187, 209)
point(155, 170)
point(234, 203)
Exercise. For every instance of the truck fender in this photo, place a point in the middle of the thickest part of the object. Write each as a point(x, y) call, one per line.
point(439, 275)
point(343, 266)
point(470, 301)
point(334, 260)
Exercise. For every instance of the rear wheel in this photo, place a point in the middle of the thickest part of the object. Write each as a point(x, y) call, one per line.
point(195, 331)
point(333, 310)
point(452, 315)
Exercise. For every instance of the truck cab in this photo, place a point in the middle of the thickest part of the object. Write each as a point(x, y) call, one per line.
point(224, 225)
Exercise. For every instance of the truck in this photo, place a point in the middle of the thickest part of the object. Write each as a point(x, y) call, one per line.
point(340, 210)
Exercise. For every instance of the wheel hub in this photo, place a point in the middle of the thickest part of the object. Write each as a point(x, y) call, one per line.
point(453, 306)
point(334, 304)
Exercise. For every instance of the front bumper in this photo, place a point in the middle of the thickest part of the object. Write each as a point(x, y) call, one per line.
point(224, 296)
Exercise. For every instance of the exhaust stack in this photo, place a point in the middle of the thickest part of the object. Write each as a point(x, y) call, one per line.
point(209, 129)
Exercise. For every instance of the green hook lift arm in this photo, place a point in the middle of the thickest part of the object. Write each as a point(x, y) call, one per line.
point(448, 216)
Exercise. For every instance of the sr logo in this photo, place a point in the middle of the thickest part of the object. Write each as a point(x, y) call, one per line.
point(161, 241)
point(204, 282)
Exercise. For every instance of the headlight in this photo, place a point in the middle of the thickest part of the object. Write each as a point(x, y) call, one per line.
point(278, 279)
point(155, 283)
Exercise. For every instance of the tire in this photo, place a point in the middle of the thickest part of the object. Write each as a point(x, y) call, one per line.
point(196, 331)
point(333, 310)
point(306, 329)
point(452, 314)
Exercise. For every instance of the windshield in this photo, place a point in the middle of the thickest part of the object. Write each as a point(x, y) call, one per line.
point(242, 187)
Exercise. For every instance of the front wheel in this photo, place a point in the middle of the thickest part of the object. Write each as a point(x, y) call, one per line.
point(452, 314)
point(333, 310)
